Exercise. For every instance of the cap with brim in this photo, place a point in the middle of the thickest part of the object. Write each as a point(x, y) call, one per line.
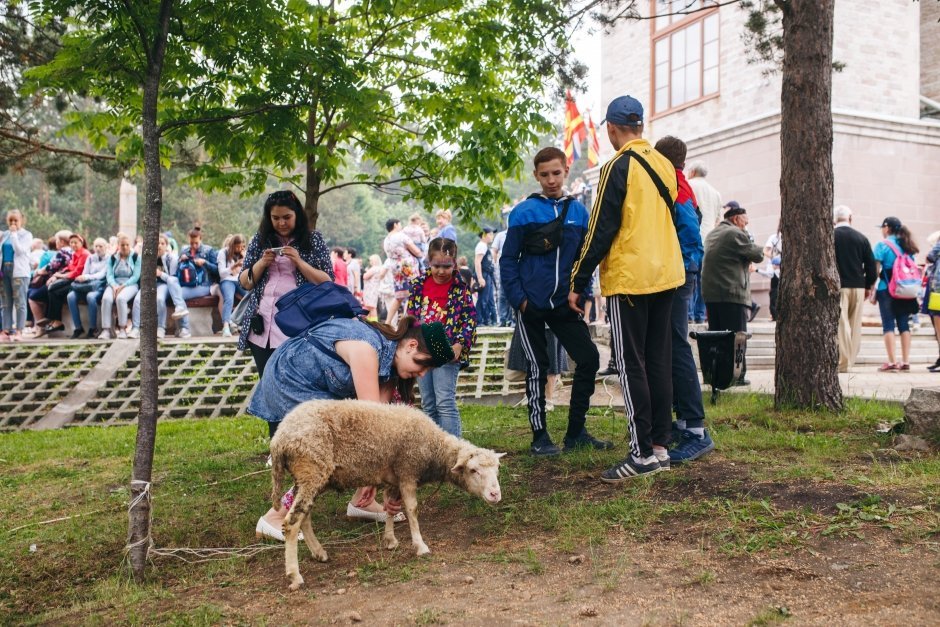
point(435, 338)
point(624, 111)
point(734, 211)
point(891, 222)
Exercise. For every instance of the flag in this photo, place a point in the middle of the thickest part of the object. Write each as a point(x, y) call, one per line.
point(575, 131)
point(594, 148)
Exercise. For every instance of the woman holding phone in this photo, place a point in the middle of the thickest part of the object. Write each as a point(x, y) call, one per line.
point(283, 254)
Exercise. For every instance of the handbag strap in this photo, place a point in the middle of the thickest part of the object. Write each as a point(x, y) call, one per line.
point(658, 181)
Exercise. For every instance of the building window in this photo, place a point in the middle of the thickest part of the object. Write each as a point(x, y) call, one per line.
point(685, 54)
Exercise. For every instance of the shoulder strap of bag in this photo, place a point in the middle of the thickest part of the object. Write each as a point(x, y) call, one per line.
point(660, 185)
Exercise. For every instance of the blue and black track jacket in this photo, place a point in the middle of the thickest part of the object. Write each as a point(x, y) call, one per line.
point(542, 279)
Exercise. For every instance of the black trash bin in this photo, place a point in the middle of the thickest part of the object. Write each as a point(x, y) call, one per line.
point(721, 356)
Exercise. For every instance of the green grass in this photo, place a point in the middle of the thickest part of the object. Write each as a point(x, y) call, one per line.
point(206, 495)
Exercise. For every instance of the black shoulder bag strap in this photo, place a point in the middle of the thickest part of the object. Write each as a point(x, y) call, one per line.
point(663, 190)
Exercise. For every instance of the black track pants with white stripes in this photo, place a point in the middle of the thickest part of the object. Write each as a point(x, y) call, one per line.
point(575, 337)
point(641, 339)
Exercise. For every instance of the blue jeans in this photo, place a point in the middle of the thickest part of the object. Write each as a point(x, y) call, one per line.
point(505, 314)
point(191, 292)
point(486, 303)
point(13, 298)
point(229, 289)
point(888, 317)
point(696, 306)
point(91, 299)
point(161, 308)
point(439, 397)
point(686, 391)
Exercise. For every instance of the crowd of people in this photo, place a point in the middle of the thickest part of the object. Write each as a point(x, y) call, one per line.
point(685, 258)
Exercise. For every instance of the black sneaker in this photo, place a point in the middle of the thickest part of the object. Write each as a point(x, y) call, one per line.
point(935, 367)
point(628, 469)
point(586, 440)
point(77, 333)
point(544, 447)
point(92, 333)
point(753, 313)
point(664, 462)
point(606, 372)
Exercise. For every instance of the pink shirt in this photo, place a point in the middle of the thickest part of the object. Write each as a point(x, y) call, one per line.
point(280, 281)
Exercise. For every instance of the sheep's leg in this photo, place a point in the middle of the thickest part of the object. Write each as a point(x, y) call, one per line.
point(409, 495)
point(388, 538)
point(291, 528)
point(316, 549)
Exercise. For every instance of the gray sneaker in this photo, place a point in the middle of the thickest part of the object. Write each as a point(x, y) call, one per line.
point(628, 469)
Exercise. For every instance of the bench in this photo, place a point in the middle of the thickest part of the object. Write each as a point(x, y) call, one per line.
point(204, 317)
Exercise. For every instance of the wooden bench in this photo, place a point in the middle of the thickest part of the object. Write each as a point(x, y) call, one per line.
point(204, 317)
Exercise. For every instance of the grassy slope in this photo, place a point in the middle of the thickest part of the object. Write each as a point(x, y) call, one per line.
point(765, 456)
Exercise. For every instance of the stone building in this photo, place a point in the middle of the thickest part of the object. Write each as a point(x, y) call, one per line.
point(696, 79)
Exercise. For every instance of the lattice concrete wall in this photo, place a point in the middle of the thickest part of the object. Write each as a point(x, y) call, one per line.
point(196, 380)
point(35, 377)
point(199, 379)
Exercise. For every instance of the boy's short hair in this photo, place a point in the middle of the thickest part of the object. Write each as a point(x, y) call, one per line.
point(549, 154)
point(673, 149)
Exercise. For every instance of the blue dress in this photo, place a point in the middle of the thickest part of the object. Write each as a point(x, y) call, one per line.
point(306, 368)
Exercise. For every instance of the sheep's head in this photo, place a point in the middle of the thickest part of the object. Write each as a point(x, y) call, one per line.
point(478, 472)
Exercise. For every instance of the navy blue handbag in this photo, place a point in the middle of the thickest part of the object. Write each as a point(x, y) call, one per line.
point(310, 304)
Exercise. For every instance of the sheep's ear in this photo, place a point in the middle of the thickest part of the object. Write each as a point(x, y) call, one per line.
point(500, 455)
point(462, 460)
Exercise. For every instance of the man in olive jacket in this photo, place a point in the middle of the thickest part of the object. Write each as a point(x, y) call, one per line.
point(726, 285)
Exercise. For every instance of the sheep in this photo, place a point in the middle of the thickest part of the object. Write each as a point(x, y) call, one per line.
point(349, 443)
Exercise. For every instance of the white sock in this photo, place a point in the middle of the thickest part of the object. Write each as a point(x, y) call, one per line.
point(680, 424)
point(660, 452)
point(699, 431)
point(646, 460)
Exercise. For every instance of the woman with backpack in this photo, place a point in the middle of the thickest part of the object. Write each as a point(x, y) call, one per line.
point(894, 256)
point(230, 260)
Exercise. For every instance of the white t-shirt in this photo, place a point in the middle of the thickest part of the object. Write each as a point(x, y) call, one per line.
point(775, 244)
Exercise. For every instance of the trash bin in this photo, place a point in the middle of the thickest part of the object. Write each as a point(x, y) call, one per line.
point(721, 356)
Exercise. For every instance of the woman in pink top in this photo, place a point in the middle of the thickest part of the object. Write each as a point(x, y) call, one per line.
point(284, 254)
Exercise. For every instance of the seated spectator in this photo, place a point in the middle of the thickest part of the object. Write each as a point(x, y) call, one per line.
point(90, 284)
point(46, 252)
point(38, 292)
point(230, 260)
point(57, 287)
point(36, 252)
point(167, 286)
point(123, 283)
point(197, 271)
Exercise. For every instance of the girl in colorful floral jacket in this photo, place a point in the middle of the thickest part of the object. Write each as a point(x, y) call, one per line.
point(441, 295)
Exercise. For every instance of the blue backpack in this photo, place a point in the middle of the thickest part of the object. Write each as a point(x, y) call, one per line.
point(309, 305)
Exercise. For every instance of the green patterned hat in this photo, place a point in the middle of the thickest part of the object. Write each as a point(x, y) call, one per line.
point(438, 345)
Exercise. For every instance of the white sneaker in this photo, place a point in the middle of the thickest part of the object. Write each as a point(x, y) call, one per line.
point(161, 332)
point(122, 335)
point(185, 333)
point(179, 313)
point(134, 334)
point(226, 330)
point(105, 334)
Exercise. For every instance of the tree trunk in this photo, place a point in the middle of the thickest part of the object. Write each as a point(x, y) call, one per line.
point(808, 302)
point(138, 537)
point(313, 177)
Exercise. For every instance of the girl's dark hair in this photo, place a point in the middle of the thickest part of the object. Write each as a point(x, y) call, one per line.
point(407, 329)
point(390, 224)
point(906, 241)
point(230, 253)
point(267, 236)
point(81, 239)
point(442, 245)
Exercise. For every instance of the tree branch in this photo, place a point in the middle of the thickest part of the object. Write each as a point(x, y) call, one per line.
point(139, 28)
point(376, 184)
point(38, 145)
point(224, 118)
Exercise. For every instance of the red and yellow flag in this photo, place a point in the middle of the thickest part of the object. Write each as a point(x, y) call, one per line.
point(575, 130)
point(594, 147)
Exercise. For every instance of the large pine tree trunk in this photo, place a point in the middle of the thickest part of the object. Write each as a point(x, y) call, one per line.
point(808, 302)
point(138, 536)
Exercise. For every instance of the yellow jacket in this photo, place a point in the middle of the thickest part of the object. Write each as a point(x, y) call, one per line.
point(631, 231)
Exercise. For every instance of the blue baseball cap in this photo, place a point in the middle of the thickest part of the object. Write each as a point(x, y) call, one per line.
point(624, 111)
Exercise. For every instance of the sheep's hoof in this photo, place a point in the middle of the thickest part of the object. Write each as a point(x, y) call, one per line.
point(296, 583)
point(321, 556)
point(391, 543)
point(422, 549)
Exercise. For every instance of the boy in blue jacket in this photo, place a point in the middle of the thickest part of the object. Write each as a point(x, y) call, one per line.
point(691, 440)
point(535, 270)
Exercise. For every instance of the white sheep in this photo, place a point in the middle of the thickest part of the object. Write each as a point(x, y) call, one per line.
point(347, 444)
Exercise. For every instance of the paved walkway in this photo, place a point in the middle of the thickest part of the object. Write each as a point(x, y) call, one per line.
point(861, 382)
